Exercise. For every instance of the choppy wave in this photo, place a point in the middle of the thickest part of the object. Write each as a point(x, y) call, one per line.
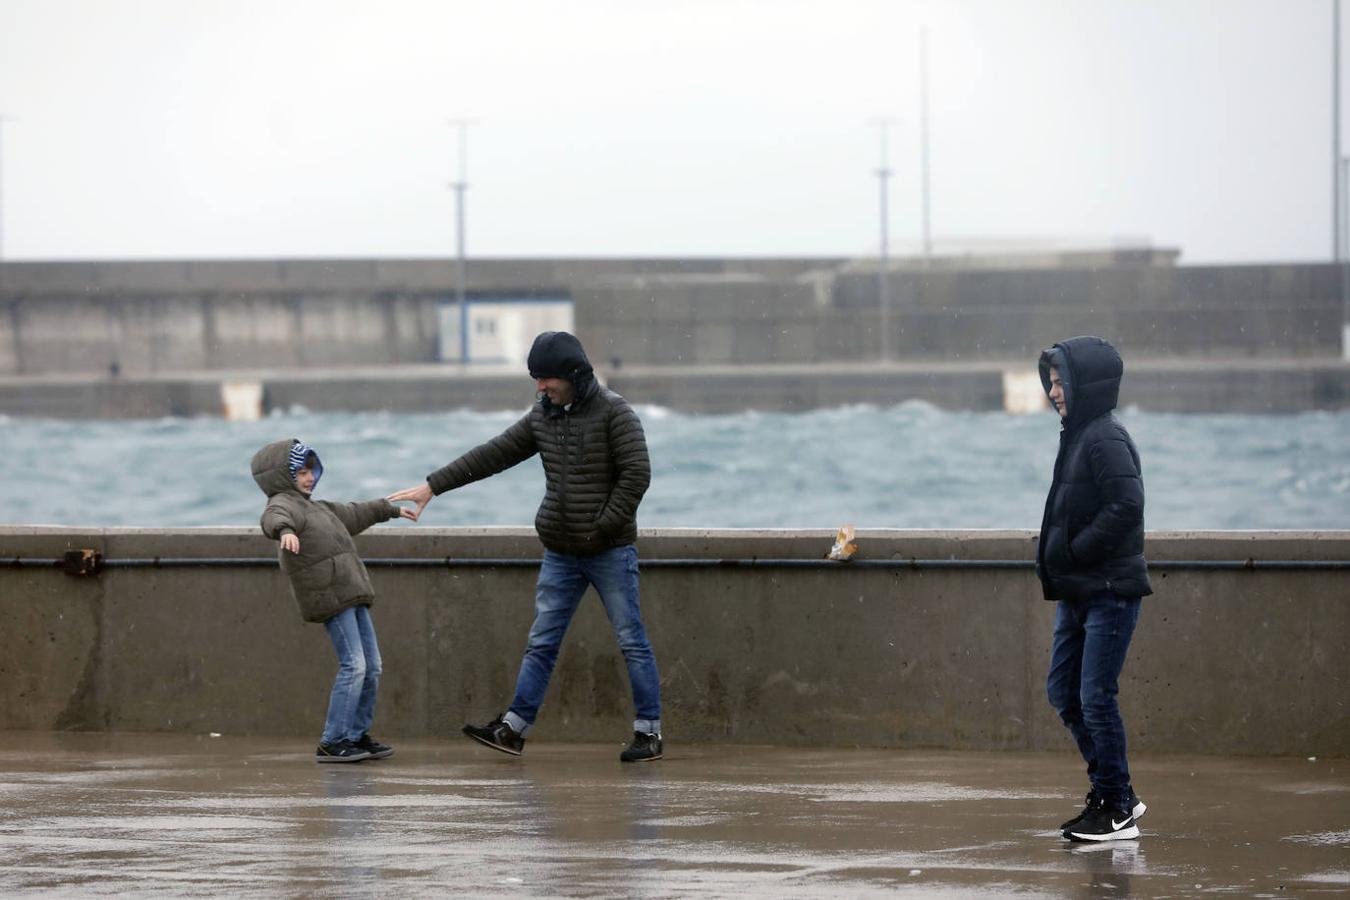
point(907, 466)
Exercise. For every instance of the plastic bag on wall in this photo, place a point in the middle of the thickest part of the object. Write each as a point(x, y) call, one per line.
point(843, 548)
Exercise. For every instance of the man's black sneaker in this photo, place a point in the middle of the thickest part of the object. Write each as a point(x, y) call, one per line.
point(645, 747)
point(1091, 802)
point(1102, 824)
point(343, 751)
point(374, 747)
point(497, 735)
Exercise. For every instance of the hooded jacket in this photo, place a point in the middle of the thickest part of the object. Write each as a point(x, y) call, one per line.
point(1092, 531)
point(326, 576)
point(594, 454)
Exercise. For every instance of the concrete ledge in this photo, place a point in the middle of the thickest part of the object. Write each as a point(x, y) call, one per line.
point(1223, 662)
point(1229, 386)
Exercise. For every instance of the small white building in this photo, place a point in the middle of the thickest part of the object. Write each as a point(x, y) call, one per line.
point(501, 327)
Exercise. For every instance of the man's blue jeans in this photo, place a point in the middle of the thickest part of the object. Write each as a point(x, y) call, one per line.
point(1092, 637)
point(351, 707)
point(563, 579)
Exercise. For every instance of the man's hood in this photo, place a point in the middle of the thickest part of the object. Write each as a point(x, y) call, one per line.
point(557, 354)
point(1091, 370)
point(272, 466)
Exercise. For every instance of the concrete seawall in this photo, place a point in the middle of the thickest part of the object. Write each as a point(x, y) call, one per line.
point(945, 653)
point(1200, 386)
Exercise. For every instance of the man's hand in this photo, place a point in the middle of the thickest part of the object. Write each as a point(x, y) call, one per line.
point(290, 542)
point(407, 513)
point(421, 495)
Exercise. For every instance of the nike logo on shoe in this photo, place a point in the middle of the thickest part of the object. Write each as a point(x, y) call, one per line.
point(1116, 826)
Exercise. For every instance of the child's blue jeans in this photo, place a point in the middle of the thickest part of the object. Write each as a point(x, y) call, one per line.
point(351, 707)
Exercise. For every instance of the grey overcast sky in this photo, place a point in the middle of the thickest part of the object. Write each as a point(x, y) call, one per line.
point(318, 128)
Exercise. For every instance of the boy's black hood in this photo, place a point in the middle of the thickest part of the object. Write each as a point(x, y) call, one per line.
point(557, 354)
point(1091, 370)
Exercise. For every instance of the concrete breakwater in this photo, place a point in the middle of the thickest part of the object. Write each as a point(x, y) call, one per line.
point(1202, 386)
point(926, 639)
point(149, 339)
point(147, 318)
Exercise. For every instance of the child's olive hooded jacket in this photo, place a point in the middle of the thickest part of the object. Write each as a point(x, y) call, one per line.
point(327, 576)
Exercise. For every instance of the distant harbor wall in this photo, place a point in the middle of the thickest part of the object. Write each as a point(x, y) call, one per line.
point(927, 639)
point(124, 339)
point(153, 318)
point(1199, 386)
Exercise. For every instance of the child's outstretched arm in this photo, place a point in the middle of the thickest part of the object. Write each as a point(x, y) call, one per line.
point(278, 525)
point(362, 514)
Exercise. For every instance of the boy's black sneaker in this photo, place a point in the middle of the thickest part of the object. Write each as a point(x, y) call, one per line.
point(497, 735)
point(1094, 801)
point(1102, 824)
point(645, 748)
point(343, 751)
point(374, 747)
point(1091, 802)
point(1135, 806)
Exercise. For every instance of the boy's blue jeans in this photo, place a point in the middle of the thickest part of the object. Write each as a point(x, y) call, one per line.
point(563, 579)
point(351, 707)
point(1091, 639)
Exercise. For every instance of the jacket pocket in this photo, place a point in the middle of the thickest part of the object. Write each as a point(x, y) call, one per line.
point(314, 578)
point(1057, 557)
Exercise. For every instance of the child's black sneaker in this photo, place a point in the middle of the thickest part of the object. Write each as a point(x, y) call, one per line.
point(374, 747)
point(645, 747)
point(343, 751)
point(1102, 824)
point(497, 735)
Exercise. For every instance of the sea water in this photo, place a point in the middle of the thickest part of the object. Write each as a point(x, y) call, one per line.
point(907, 466)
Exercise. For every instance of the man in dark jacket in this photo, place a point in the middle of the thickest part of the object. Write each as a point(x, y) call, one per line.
point(1090, 559)
point(595, 472)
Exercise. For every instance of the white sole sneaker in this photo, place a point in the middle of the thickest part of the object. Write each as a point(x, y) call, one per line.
point(1128, 833)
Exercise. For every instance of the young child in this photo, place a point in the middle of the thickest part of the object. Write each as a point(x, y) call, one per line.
point(330, 585)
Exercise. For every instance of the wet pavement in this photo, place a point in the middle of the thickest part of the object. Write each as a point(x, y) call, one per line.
point(176, 815)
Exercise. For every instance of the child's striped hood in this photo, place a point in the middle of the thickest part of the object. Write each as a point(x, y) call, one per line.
point(275, 465)
point(299, 453)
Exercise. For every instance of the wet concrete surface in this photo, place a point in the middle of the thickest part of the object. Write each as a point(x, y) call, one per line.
point(177, 815)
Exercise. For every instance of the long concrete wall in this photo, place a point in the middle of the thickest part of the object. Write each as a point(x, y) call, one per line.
point(1260, 386)
point(1224, 661)
point(155, 318)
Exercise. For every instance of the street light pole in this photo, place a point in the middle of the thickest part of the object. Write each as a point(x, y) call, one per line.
point(883, 264)
point(3, 120)
point(923, 139)
point(460, 186)
point(1343, 255)
point(1337, 223)
point(1338, 179)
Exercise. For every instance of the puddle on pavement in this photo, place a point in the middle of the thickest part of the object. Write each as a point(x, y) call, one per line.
point(190, 818)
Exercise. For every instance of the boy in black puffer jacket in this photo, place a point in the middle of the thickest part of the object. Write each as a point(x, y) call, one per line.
point(1090, 559)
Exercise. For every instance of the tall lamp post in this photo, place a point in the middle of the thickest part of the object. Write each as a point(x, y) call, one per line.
point(1338, 180)
point(883, 174)
point(1343, 255)
point(3, 120)
point(923, 141)
point(460, 186)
